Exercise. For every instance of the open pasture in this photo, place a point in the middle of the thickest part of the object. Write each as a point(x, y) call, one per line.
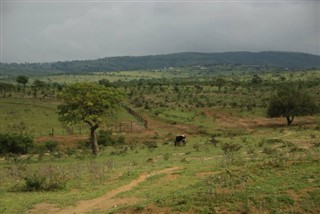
point(39, 117)
point(235, 160)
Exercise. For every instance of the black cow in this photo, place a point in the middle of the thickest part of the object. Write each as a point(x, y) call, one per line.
point(179, 139)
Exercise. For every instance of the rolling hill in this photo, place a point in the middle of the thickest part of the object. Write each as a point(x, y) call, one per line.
point(290, 60)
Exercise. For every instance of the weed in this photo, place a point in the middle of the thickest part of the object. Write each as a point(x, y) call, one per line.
point(262, 142)
point(229, 151)
point(275, 141)
point(129, 174)
point(150, 144)
point(285, 199)
point(269, 151)
point(196, 147)
point(166, 156)
point(213, 140)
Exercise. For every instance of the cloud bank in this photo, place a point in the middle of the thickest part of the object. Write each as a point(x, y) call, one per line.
point(50, 31)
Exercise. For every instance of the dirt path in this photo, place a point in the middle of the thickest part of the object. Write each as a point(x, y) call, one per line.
point(104, 202)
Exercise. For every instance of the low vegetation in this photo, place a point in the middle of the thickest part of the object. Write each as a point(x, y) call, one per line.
point(236, 159)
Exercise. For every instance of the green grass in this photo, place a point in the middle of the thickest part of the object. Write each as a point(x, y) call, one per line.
point(40, 118)
point(276, 170)
point(264, 183)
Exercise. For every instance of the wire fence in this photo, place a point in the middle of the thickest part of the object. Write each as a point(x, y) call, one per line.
point(119, 127)
point(139, 117)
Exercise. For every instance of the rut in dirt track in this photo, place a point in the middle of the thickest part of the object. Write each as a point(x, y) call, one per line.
point(106, 201)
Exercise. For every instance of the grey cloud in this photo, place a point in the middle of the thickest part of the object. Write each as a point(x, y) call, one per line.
point(51, 31)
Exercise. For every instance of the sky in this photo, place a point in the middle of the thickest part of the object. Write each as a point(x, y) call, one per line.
point(56, 30)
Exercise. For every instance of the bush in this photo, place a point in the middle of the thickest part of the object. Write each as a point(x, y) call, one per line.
point(48, 146)
point(16, 144)
point(150, 144)
point(119, 140)
point(51, 146)
point(105, 138)
point(230, 150)
point(50, 179)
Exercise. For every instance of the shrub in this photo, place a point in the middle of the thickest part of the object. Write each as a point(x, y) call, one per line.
point(46, 179)
point(150, 144)
point(105, 138)
point(166, 156)
point(48, 146)
point(119, 140)
point(213, 140)
point(274, 141)
point(230, 150)
point(16, 144)
point(51, 146)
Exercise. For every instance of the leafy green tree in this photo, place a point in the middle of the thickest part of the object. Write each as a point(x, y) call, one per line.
point(38, 85)
point(220, 82)
point(89, 103)
point(23, 80)
point(5, 88)
point(105, 82)
point(290, 103)
point(256, 79)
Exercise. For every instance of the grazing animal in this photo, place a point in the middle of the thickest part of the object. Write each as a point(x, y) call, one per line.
point(179, 139)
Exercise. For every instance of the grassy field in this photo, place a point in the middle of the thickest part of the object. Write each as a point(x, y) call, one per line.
point(38, 117)
point(235, 160)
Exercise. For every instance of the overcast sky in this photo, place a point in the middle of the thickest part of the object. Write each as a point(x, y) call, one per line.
point(48, 31)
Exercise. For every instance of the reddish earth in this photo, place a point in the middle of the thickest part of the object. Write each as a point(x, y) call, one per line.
point(66, 141)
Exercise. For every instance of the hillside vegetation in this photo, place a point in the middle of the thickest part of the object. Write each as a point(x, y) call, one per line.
point(235, 160)
point(267, 60)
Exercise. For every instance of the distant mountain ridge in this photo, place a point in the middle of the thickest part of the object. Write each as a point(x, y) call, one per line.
point(291, 60)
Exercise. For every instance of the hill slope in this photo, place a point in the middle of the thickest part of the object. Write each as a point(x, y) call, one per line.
point(290, 60)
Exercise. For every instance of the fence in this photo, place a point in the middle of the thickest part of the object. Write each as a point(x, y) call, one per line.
point(123, 126)
point(137, 116)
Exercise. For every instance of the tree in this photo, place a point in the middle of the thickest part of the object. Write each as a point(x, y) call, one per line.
point(37, 85)
point(256, 79)
point(89, 103)
point(21, 79)
point(5, 88)
point(105, 82)
point(220, 82)
point(289, 103)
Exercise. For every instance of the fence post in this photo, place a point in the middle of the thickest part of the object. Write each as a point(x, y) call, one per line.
point(146, 124)
point(131, 126)
point(52, 132)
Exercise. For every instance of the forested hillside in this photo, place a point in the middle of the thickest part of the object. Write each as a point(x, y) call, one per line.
point(290, 60)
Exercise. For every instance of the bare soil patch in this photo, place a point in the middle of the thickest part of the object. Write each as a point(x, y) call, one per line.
point(67, 141)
